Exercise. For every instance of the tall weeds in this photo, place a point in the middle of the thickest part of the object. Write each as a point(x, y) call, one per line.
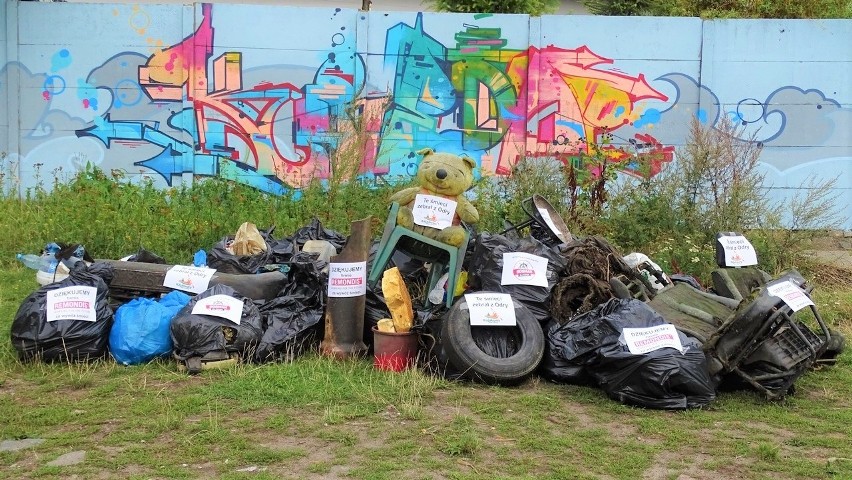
point(715, 186)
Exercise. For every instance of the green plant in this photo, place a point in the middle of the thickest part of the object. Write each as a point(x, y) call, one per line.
point(578, 186)
point(716, 186)
point(618, 7)
point(724, 8)
point(531, 7)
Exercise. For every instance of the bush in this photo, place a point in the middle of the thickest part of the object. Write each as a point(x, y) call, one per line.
point(724, 8)
point(618, 7)
point(716, 186)
point(113, 217)
point(530, 7)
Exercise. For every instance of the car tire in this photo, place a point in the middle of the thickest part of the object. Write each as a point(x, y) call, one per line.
point(467, 356)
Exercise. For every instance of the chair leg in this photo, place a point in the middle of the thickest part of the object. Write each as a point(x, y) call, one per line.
point(381, 260)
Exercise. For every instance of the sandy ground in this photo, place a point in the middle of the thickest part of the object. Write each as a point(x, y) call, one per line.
point(835, 249)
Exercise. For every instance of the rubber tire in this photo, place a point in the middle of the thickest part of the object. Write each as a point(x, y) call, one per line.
point(466, 356)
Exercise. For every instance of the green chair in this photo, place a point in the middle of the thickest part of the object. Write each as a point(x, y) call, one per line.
point(443, 257)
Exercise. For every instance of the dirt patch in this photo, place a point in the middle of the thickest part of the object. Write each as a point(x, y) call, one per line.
point(834, 250)
point(688, 466)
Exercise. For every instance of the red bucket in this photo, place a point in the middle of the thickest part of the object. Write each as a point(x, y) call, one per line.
point(394, 352)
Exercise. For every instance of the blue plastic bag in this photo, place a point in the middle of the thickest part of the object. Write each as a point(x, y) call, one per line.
point(140, 332)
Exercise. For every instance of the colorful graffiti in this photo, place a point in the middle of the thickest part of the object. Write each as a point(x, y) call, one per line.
point(238, 131)
point(276, 115)
point(496, 103)
point(478, 98)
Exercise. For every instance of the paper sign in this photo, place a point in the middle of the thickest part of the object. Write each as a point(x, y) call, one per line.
point(188, 279)
point(644, 340)
point(792, 294)
point(347, 279)
point(739, 252)
point(521, 268)
point(71, 303)
point(493, 309)
point(432, 211)
point(223, 306)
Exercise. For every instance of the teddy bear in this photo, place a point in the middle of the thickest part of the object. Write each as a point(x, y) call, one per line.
point(441, 177)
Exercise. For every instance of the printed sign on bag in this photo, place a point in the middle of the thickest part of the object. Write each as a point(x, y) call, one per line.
point(648, 339)
point(71, 303)
point(189, 279)
point(433, 211)
point(223, 306)
point(492, 309)
point(739, 252)
point(347, 279)
point(792, 294)
point(521, 268)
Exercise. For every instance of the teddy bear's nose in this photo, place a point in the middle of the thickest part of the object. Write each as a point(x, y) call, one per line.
point(441, 174)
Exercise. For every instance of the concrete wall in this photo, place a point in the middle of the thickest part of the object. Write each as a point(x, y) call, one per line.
point(265, 94)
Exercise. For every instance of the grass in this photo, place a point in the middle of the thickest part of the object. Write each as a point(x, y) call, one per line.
point(316, 417)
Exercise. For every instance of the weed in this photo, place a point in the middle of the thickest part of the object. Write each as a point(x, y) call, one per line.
point(767, 451)
point(716, 186)
point(460, 438)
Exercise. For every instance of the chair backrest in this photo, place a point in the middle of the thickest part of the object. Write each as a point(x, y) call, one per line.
point(692, 311)
point(738, 283)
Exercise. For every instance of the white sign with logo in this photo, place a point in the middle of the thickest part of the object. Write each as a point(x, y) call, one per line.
point(71, 303)
point(492, 309)
point(433, 211)
point(739, 252)
point(223, 306)
point(189, 279)
point(648, 339)
point(347, 279)
point(792, 294)
point(521, 268)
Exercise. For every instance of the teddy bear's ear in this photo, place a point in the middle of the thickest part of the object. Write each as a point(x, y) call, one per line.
point(425, 151)
point(471, 162)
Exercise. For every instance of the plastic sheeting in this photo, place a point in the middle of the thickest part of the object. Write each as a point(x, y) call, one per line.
point(226, 262)
point(61, 340)
point(588, 349)
point(195, 335)
point(486, 268)
point(140, 332)
point(293, 320)
point(315, 231)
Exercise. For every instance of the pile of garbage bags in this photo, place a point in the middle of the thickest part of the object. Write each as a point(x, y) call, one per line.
point(87, 316)
point(575, 312)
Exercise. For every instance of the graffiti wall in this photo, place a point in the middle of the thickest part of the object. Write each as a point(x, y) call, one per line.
point(271, 96)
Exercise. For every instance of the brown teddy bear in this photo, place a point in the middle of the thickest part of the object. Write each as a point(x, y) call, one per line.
point(443, 179)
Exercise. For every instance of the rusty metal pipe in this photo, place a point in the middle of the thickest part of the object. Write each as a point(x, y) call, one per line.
point(344, 316)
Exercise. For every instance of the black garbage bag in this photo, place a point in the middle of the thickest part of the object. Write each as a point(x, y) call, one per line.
point(144, 256)
point(226, 262)
point(73, 250)
point(591, 347)
point(375, 309)
point(486, 269)
point(196, 335)
point(315, 231)
point(33, 336)
point(281, 250)
point(293, 320)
